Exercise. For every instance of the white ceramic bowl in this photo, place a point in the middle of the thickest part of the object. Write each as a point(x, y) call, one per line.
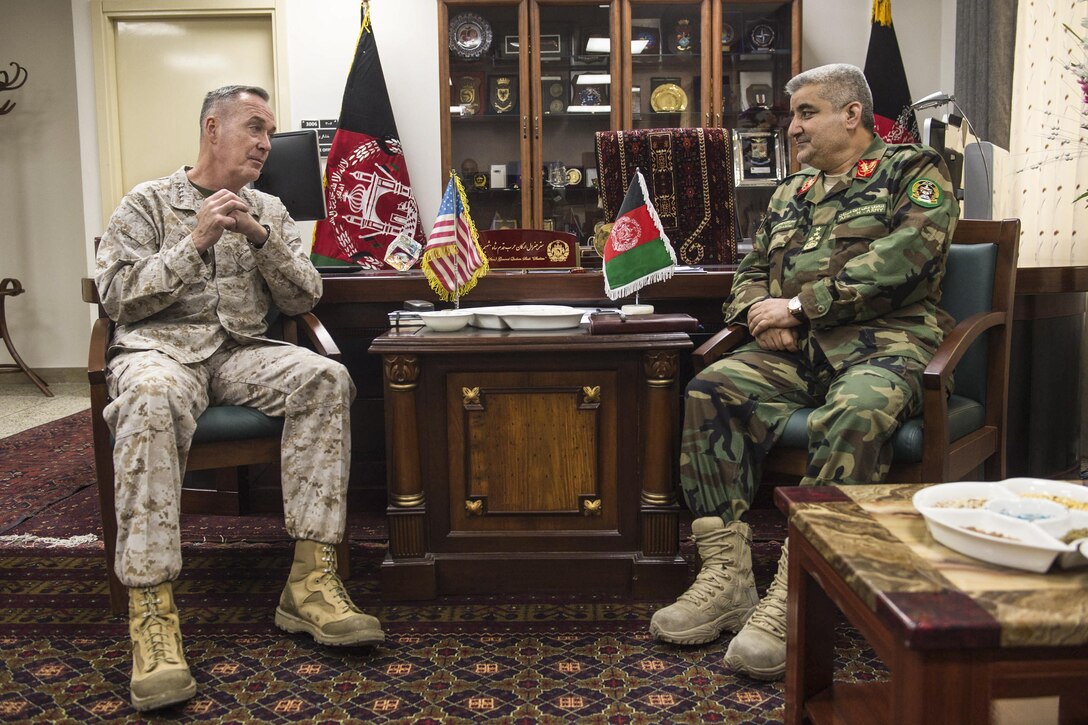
point(961, 495)
point(542, 317)
point(995, 538)
point(446, 320)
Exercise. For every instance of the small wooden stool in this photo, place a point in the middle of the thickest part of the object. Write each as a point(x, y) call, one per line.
point(10, 288)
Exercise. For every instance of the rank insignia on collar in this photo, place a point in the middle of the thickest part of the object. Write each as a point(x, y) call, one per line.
point(866, 167)
point(806, 186)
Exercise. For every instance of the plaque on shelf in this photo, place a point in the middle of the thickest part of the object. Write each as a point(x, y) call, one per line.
point(645, 36)
point(467, 90)
point(682, 37)
point(479, 181)
point(574, 176)
point(511, 45)
point(553, 93)
point(759, 158)
point(551, 47)
point(732, 27)
point(760, 35)
point(503, 96)
point(470, 36)
point(756, 89)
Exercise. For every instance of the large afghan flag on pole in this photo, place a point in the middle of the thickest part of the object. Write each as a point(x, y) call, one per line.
point(367, 191)
point(637, 252)
point(895, 120)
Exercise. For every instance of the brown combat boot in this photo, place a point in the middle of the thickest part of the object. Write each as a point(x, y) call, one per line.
point(315, 601)
point(160, 675)
point(759, 650)
point(723, 593)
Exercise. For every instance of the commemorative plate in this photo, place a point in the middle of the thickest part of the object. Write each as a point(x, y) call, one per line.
point(668, 98)
point(470, 36)
point(1023, 523)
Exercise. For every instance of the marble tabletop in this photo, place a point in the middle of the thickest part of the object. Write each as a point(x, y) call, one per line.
point(931, 595)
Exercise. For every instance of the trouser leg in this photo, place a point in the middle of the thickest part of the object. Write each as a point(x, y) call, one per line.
point(314, 395)
point(156, 401)
point(865, 404)
point(734, 411)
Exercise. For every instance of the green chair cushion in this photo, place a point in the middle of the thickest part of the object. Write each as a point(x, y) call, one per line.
point(235, 422)
point(964, 416)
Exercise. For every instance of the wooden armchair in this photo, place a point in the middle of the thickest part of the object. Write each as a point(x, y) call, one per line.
point(228, 438)
point(955, 434)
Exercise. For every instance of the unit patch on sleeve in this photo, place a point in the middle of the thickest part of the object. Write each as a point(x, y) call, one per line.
point(926, 192)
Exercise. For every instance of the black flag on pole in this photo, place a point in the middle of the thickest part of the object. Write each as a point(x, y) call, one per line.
point(895, 120)
point(367, 190)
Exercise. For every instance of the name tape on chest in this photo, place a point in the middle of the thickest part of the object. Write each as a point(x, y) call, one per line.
point(871, 209)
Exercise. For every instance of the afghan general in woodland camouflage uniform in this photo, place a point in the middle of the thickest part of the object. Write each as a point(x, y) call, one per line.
point(840, 293)
point(190, 268)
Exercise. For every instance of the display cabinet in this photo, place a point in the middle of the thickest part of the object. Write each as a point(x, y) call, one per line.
point(529, 82)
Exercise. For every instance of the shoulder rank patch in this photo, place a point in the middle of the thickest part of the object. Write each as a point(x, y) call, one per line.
point(926, 192)
point(807, 185)
point(866, 168)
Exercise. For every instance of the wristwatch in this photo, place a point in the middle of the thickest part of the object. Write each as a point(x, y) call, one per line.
point(794, 306)
point(267, 233)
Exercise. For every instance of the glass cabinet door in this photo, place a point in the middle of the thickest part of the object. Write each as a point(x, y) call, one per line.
point(667, 64)
point(575, 61)
point(486, 133)
point(759, 51)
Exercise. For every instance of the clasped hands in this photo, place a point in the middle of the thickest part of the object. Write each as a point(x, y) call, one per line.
point(772, 325)
point(224, 211)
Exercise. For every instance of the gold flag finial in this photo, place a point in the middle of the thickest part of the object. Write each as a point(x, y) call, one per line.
point(882, 12)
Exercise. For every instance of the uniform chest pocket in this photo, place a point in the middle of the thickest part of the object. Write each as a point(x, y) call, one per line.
point(853, 238)
point(242, 259)
point(784, 246)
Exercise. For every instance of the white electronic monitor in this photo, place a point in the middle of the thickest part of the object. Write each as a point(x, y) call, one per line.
point(293, 173)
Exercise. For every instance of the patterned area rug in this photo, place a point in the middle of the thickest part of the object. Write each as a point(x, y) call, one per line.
point(524, 659)
point(43, 465)
point(469, 659)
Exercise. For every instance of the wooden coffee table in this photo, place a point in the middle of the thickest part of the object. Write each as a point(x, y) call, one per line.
point(955, 632)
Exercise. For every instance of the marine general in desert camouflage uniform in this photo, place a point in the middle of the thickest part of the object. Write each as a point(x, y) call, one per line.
point(840, 293)
point(189, 268)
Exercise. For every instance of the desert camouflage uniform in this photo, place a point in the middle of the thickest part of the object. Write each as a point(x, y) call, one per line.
point(866, 258)
point(190, 333)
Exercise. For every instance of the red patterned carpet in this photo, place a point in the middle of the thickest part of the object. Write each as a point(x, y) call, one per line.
point(527, 659)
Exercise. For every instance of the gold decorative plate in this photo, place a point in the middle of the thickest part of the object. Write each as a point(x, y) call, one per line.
point(668, 98)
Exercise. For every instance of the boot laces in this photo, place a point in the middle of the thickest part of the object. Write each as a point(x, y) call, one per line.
point(711, 580)
point(770, 614)
point(335, 586)
point(155, 631)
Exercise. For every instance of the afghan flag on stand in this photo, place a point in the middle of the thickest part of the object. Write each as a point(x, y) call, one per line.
point(895, 120)
point(637, 252)
point(367, 191)
point(452, 260)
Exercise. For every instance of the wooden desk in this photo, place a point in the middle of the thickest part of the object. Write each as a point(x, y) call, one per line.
point(1044, 401)
point(529, 461)
point(955, 632)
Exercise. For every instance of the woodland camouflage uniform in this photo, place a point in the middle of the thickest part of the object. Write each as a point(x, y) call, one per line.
point(190, 333)
point(866, 257)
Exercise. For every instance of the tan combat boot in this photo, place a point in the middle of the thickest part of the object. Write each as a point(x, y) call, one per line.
point(723, 593)
point(759, 650)
point(315, 601)
point(160, 676)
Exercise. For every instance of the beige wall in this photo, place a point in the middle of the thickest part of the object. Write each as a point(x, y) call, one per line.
point(42, 238)
point(55, 35)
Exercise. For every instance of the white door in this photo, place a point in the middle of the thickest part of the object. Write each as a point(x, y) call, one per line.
point(154, 63)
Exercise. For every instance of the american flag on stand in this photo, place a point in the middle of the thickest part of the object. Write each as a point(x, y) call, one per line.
point(453, 260)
